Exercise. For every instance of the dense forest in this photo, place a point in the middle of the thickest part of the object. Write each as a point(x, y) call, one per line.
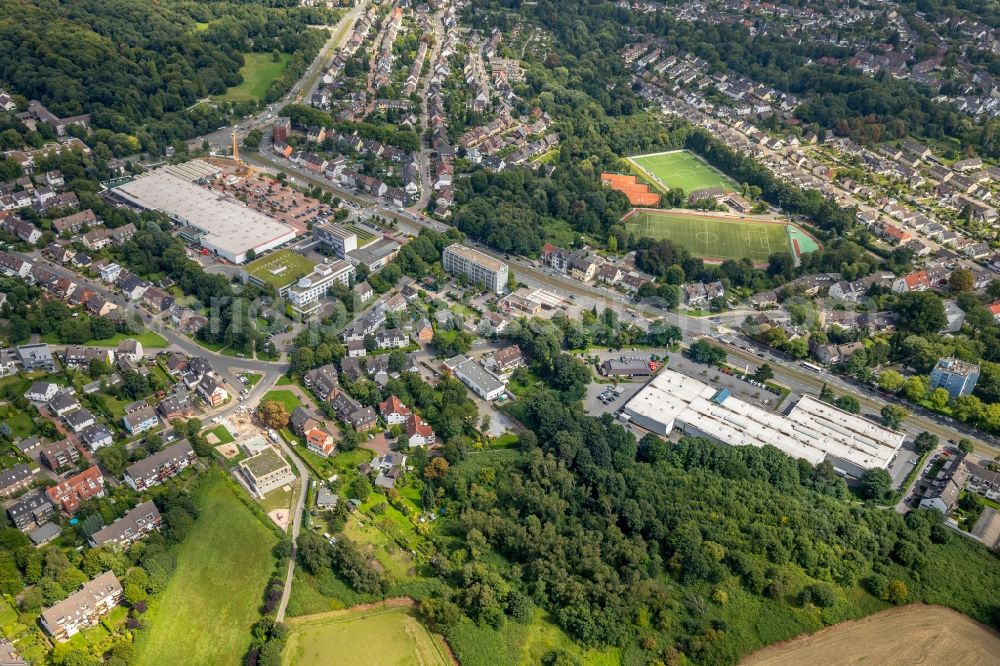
point(690, 548)
point(130, 63)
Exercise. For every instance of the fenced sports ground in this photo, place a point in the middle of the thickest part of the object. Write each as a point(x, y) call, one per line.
point(679, 169)
point(717, 237)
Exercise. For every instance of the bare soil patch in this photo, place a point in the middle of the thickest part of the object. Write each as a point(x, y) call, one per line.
point(913, 634)
point(227, 451)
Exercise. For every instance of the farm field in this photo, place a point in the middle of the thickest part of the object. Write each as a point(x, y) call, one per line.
point(715, 237)
point(279, 269)
point(380, 636)
point(258, 71)
point(223, 566)
point(679, 169)
point(911, 635)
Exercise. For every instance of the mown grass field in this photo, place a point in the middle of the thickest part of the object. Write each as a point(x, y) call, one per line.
point(711, 237)
point(149, 339)
point(287, 398)
point(258, 71)
point(381, 636)
point(680, 169)
point(205, 613)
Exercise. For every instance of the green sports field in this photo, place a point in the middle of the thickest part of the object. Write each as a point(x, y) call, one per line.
point(279, 269)
point(679, 169)
point(712, 237)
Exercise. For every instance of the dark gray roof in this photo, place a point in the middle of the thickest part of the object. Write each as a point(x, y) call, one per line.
point(44, 533)
point(134, 522)
point(147, 466)
point(14, 475)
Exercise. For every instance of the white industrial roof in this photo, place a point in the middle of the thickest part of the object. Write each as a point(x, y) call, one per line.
point(812, 430)
point(231, 227)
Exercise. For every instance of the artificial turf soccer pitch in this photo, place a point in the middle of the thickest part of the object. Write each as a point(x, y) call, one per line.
point(711, 237)
point(679, 169)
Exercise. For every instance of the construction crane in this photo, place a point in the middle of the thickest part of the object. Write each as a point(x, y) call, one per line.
point(236, 149)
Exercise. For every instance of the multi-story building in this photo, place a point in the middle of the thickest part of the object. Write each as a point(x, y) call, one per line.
point(14, 479)
point(59, 454)
point(140, 419)
point(134, 525)
point(337, 238)
point(955, 376)
point(69, 494)
point(266, 471)
point(305, 295)
point(84, 608)
point(151, 471)
point(324, 381)
point(281, 128)
point(36, 357)
point(478, 267)
point(30, 511)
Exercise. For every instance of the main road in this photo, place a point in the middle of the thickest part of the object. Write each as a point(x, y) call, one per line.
point(302, 88)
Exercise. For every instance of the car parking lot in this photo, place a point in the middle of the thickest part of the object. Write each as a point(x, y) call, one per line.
point(745, 389)
point(609, 398)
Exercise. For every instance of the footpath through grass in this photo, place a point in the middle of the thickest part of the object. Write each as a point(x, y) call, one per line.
point(205, 613)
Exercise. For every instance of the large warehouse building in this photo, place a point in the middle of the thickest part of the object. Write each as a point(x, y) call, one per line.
point(812, 430)
point(226, 226)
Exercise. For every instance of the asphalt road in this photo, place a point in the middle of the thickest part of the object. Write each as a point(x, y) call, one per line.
point(303, 88)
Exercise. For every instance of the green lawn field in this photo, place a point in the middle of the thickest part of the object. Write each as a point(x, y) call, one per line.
point(205, 613)
point(680, 169)
point(149, 339)
point(711, 237)
point(287, 398)
point(382, 636)
point(279, 269)
point(258, 71)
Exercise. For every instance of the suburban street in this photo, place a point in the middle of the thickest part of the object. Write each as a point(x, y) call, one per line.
point(222, 138)
point(786, 372)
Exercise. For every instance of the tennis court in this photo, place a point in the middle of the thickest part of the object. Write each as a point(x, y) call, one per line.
point(714, 237)
point(680, 169)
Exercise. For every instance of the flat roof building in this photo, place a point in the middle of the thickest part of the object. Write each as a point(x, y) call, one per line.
point(339, 239)
point(35, 357)
point(476, 266)
point(266, 471)
point(955, 376)
point(473, 375)
point(376, 254)
point(229, 228)
point(812, 430)
point(305, 295)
